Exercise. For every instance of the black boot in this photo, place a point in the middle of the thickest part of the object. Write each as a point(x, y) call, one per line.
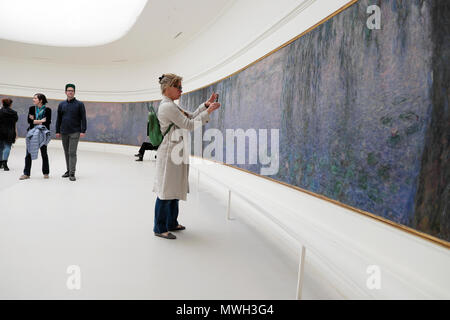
point(141, 157)
point(1, 164)
point(5, 165)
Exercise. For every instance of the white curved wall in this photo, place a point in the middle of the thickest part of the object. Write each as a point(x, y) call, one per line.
point(244, 33)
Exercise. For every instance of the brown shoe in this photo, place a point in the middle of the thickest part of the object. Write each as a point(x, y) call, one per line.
point(46, 176)
point(24, 177)
point(178, 228)
point(166, 236)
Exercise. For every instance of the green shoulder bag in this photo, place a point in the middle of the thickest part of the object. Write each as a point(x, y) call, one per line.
point(154, 129)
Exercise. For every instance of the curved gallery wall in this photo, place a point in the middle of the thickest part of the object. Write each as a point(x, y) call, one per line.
point(360, 112)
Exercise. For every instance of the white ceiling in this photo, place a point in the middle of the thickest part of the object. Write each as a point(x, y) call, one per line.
point(152, 37)
point(89, 23)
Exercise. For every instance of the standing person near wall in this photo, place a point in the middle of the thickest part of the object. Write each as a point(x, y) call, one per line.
point(8, 131)
point(71, 126)
point(39, 114)
point(171, 181)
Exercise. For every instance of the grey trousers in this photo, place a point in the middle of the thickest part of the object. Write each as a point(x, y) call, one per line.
point(70, 144)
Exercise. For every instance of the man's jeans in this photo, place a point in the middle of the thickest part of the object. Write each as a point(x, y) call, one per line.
point(70, 144)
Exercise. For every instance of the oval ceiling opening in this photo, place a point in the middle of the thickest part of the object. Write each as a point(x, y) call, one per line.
point(66, 23)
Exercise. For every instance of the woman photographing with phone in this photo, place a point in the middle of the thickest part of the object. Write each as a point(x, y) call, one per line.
point(172, 179)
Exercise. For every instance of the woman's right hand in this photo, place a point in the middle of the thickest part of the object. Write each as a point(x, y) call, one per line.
point(211, 99)
point(213, 106)
point(31, 117)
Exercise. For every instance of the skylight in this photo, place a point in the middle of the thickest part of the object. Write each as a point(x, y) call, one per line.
point(68, 23)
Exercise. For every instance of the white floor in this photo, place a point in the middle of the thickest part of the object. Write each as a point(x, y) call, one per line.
point(103, 224)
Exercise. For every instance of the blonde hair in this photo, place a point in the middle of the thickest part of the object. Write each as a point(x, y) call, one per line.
point(169, 80)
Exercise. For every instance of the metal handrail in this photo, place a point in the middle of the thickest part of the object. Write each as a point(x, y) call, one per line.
point(303, 244)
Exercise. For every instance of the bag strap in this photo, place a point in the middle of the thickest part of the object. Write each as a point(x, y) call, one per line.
point(168, 129)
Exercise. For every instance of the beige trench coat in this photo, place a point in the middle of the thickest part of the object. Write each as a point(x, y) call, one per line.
point(171, 181)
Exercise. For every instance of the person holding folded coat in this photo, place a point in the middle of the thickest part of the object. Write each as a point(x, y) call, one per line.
point(39, 114)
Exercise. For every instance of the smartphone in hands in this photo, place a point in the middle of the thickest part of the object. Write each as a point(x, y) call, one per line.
point(217, 97)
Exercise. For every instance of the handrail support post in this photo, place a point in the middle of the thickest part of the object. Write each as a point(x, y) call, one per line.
point(301, 268)
point(229, 205)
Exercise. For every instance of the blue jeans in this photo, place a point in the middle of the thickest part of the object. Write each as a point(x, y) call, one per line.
point(166, 214)
point(5, 148)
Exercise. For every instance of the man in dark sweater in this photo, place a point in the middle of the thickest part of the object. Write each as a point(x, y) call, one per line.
point(71, 126)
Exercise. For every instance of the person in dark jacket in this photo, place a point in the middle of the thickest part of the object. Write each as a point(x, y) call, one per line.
point(39, 114)
point(8, 131)
point(71, 126)
point(145, 146)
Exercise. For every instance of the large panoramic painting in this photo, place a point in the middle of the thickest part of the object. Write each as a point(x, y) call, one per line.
point(362, 113)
